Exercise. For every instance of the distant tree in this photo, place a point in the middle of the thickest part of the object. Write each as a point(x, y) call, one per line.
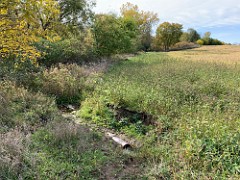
point(193, 35)
point(207, 40)
point(216, 42)
point(190, 36)
point(168, 34)
point(113, 35)
point(184, 37)
point(207, 35)
point(144, 21)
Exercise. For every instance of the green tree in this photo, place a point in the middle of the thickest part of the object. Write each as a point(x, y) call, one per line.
point(168, 34)
point(207, 35)
point(207, 38)
point(144, 19)
point(216, 42)
point(190, 36)
point(193, 35)
point(76, 14)
point(184, 37)
point(114, 35)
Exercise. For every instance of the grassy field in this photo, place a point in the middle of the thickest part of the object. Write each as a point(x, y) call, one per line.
point(182, 107)
point(179, 110)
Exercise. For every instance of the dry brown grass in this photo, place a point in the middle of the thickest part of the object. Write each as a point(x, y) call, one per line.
point(228, 54)
point(11, 150)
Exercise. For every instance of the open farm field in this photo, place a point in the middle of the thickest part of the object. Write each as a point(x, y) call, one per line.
point(227, 54)
point(182, 107)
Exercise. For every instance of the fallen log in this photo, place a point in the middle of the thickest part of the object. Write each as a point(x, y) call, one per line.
point(124, 144)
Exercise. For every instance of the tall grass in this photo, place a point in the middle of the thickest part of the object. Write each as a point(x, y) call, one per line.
point(195, 106)
point(22, 108)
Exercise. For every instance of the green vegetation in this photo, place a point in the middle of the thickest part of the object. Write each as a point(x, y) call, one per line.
point(207, 40)
point(190, 127)
point(73, 49)
point(182, 117)
point(144, 21)
point(62, 150)
point(114, 35)
point(66, 83)
point(19, 107)
point(190, 36)
point(37, 142)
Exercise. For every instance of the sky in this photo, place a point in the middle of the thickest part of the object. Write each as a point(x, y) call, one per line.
point(220, 17)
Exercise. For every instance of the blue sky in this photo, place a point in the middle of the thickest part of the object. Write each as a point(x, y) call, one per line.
point(220, 17)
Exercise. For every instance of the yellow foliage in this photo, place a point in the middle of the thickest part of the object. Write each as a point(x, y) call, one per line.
point(200, 42)
point(168, 34)
point(143, 18)
point(24, 22)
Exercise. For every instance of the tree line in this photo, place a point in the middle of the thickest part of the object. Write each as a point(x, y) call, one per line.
point(49, 30)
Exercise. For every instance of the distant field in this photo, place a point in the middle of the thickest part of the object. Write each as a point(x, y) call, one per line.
point(182, 106)
point(223, 54)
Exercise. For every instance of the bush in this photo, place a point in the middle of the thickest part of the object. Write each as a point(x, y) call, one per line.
point(184, 45)
point(24, 73)
point(200, 42)
point(65, 82)
point(216, 42)
point(75, 49)
point(209, 41)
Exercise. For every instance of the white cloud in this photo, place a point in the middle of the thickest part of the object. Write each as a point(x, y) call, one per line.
point(190, 13)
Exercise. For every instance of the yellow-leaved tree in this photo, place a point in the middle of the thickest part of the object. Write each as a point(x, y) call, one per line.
point(168, 34)
point(144, 19)
point(23, 22)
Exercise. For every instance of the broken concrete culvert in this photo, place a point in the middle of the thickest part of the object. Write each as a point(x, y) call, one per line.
point(118, 140)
